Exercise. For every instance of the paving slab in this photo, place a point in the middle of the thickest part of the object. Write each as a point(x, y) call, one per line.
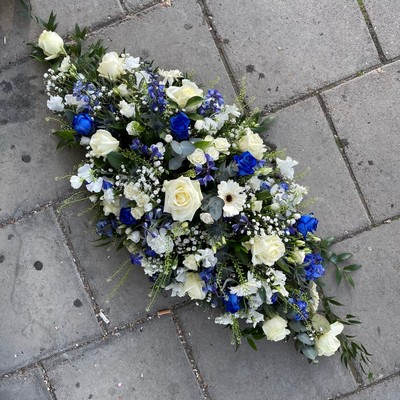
point(136, 5)
point(175, 37)
point(375, 298)
point(43, 305)
point(20, 30)
point(386, 390)
point(365, 114)
point(25, 386)
point(303, 131)
point(29, 160)
point(130, 300)
point(384, 16)
point(148, 363)
point(274, 372)
point(285, 49)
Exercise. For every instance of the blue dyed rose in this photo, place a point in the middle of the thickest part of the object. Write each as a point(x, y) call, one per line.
point(83, 124)
point(232, 303)
point(126, 217)
point(179, 125)
point(307, 223)
point(246, 163)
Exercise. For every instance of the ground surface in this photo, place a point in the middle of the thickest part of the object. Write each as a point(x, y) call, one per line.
point(329, 70)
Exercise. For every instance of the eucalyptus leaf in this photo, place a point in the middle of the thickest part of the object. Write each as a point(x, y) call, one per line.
point(310, 352)
point(304, 338)
point(187, 148)
point(175, 163)
point(320, 323)
point(297, 326)
point(176, 147)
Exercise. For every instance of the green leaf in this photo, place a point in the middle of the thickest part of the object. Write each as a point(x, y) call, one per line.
point(194, 102)
point(68, 135)
point(283, 265)
point(195, 117)
point(264, 195)
point(352, 267)
point(350, 280)
point(202, 144)
point(69, 115)
point(304, 338)
point(344, 257)
point(116, 159)
point(250, 341)
point(339, 275)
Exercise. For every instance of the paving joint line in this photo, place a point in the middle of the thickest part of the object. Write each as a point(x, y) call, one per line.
point(190, 357)
point(344, 155)
point(371, 31)
point(47, 382)
point(207, 14)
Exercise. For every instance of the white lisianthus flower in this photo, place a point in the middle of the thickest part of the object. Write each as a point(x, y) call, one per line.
point(126, 109)
point(248, 288)
point(182, 94)
point(51, 44)
point(170, 76)
point(131, 63)
point(207, 218)
point(265, 249)
point(222, 145)
point(252, 143)
point(286, 167)
point(190, 262)
point(193, 286)
point(134, 236)
point(213, 152)
point(232, 195)
point(160, 241)
point(65, 64)
point(55, 103)
point(111, 66)
point(327, 344)
point(197, 157)
point(275, 328)
point(123, 90)
point(103, 143)
point(182, 198)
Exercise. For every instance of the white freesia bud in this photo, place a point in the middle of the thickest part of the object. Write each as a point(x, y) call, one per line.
point(168, 138)
point(275, 328)
point(51, 44)
point(111, 66)
point(327, 344)
point(65, 64)
point(207, 218)
point(103, 143)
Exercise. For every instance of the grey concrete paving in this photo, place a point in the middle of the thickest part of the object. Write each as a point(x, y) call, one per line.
point(147, 363)
point(229, 375)
point(43, 305)
point(285, 51)
point(365, 112)
point(100, 263)
point(375, 298)
point(26, 386)
point(384, 16)
point(302, 129)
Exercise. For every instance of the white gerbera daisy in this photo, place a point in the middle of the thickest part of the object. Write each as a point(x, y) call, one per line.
point(231, 193)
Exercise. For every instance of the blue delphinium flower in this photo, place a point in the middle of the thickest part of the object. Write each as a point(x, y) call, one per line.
point(212, 103)
point(302, 313)
point(313, 266)
point(246, 163)
point(83, 124)
point(232, 303)
point(126, 217)
point(179, 125)
point(136, 259)
point(106, 185)
point(307, 223)
point(204, 171)
point(106, 227)
point(157, 96)
point(208, 277)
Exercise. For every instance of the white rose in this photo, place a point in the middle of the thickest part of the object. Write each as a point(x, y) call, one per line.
point(182, 198)
point(103, 143)
point(265, 249)
point(275, 328)
point(51, 44)
point(111, 66)
point(190, 262)
point(213, 152)
point(55, 103)
point(126, 109)
point(222, 145)
point(197, 157)
point(207, 218)
point(65, 64)
point(193, 286)
point(252, 143)
point(327, 344)
point(182, 94)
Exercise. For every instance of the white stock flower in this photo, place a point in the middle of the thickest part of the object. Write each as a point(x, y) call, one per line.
point(252, 143)
point(65, 64)
point(286, 167)
point(160, 241)
point(207, 257)
point(126, 109)
point(170, 76)
point(182, 94)
point(245, 289)
point(111, 66)
point(182, 198)
point(265, 249)
point(137, 212)
point(71, 100)
point(103, 143)
point(51, 44)
point(197, 157)
point(134, 236)
point(275, 328)
point(255, 183)
point(225, 319)
point(231, 193)
point(131, 63)
point(327, 344)
point(55, 103)
point(207, 218)
point(254, 317)
point(193, 286)
point(222, 145)
point(206, 124)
